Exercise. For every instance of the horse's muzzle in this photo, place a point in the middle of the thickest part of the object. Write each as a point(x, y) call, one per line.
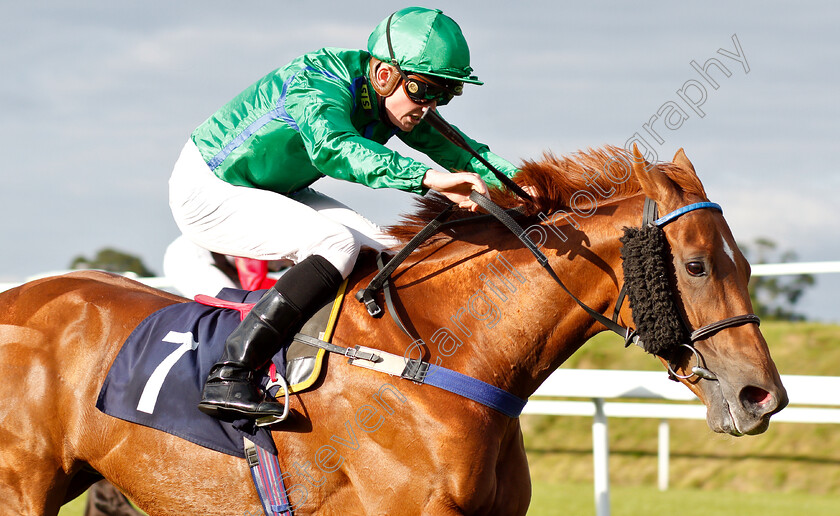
point(746, 409)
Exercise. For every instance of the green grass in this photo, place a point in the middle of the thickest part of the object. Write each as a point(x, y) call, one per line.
point(797, 348)
point(550, 499)
point(553, 499)
point(74, 508)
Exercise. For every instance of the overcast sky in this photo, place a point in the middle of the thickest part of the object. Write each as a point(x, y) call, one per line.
point(98, 97)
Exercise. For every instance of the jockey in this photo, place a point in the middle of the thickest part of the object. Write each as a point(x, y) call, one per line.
point(241, 184)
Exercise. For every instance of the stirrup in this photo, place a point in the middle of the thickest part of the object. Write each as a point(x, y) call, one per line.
point(270, 420)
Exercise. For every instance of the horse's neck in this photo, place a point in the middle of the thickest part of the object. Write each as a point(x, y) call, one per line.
point(498, 316)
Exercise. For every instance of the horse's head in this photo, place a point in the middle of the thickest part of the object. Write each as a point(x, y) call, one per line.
point(728, 366)
point(693, 309)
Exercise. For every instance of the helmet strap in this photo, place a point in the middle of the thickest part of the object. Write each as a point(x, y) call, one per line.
point(394, 62)
point(388, 89)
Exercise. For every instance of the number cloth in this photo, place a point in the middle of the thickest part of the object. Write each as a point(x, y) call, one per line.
point(157, 377)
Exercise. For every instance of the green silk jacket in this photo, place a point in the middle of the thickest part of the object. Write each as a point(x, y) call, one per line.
point(317, 116)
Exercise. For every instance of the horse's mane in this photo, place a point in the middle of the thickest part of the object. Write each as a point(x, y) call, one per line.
point(556, 180)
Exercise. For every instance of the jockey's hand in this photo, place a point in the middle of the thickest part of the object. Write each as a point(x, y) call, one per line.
point(456, 186)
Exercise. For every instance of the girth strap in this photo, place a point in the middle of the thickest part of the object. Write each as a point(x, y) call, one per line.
point(466, 386)
point(425, 373)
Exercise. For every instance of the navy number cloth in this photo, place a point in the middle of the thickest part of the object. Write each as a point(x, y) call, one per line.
point(157, 377)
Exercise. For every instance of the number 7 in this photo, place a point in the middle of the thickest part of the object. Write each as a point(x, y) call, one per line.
point(152, 389)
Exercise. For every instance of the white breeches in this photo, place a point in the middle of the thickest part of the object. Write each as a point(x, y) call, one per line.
point(253, 223)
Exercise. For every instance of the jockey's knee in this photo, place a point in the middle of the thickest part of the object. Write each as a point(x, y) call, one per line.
point(341, 248)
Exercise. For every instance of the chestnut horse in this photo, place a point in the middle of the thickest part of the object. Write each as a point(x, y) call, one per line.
point(363, 442)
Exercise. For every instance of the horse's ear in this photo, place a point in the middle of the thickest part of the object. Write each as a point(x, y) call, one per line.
point(655, 184)
point(682, 161)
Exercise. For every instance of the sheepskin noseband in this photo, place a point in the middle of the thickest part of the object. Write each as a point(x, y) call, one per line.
point(644, 254)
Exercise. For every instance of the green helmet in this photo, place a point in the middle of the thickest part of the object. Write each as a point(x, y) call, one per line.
point(424, 41)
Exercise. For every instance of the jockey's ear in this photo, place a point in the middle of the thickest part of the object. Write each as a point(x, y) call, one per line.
point(383, 77)
point(654, 183)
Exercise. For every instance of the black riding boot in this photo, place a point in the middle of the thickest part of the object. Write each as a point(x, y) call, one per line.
point(232, 391)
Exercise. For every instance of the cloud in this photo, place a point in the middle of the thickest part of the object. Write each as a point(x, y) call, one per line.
point(99, 97)
point(793, 218)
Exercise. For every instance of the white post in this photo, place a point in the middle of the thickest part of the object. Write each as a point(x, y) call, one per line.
point(664, 453)
point(600, 457)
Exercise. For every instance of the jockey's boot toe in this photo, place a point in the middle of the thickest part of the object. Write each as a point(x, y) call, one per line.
point(236, 397)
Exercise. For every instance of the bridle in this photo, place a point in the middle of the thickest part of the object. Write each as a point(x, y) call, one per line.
point(477, 390)
point(380, 281)
point(650, 218)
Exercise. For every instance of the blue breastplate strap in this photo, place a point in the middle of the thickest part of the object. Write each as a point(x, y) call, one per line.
point(661, 221)
point(466, 386)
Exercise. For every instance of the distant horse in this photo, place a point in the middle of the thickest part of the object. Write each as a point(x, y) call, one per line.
point(363, 442)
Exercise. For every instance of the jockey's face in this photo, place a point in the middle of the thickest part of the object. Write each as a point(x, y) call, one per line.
point(403, 112)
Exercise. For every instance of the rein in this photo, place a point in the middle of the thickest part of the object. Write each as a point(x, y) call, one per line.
point(482, 392)
point(475, 389)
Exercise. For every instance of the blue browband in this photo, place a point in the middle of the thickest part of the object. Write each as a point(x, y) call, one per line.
point(661, 221)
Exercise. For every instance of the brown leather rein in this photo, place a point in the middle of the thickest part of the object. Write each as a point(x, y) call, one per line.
point(630, 336)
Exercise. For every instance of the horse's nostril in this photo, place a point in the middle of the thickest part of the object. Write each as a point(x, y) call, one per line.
point(756, 398)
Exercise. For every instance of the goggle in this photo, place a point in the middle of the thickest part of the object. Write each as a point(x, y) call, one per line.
point(420, 89)
point(423, 90)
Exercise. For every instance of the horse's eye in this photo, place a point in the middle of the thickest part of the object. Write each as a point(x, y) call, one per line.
point(695, 268)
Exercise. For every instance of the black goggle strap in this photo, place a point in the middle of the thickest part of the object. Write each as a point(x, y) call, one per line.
point(436, 121)
point(394, 62)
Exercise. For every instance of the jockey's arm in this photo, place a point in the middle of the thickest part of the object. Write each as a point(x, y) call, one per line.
point(337, 148)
